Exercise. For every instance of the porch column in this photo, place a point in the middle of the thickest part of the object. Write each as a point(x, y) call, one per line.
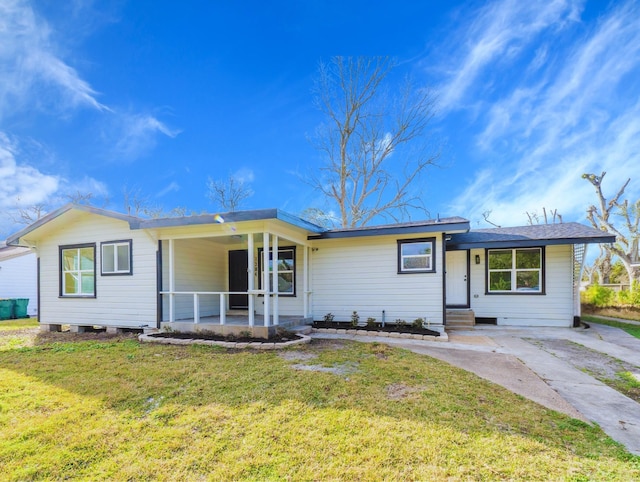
point(274, 276)
point(250, 281)
point(172, 280)
point(305, 281)
point(265, 275)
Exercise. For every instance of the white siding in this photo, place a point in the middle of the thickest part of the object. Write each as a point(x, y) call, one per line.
point(199, 266)
point(18, 279)
point(128, 300)
point(361, 274)
point(555, 308)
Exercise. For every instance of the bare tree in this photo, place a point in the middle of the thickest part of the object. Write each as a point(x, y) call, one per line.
point(552, 218)
point(369, 136)
point(318, 217)
point(228, 194)
point(485, 215)
point(28, 214)
point(626, 245)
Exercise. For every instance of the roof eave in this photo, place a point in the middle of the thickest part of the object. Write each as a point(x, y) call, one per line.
point(529, 243)
point(390, 230)
point(14, 239)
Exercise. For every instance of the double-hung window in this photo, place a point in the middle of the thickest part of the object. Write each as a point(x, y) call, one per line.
point(286, 266)
point(515, 270)
point(78, 270)
point(116, 257)
point(416, 255)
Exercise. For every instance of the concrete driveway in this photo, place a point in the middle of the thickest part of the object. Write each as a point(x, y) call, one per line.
point(549, 366)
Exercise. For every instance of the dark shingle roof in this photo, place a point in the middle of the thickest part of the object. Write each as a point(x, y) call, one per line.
point(536, 235)
point(426, 226)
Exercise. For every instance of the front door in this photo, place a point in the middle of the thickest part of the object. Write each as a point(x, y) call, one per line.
point(457, 279)
point(238, 278)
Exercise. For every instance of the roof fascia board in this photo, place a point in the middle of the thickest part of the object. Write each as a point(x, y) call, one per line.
point(15, 238)
point(425, 228)
point(529, 243)
point(234, 217)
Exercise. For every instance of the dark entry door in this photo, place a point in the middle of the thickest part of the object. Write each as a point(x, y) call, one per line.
point(238, 278)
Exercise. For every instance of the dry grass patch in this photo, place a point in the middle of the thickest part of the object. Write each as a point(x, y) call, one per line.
point(111, 408)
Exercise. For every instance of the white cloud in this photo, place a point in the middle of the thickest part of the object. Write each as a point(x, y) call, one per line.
point(137, 135)
point(244, 175)
point(21, 184)
point(580, 115)
point(499, 32)
point(31, 66)
point(171, 187)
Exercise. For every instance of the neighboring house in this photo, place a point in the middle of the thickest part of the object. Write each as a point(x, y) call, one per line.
point(103, 268)
point(18, 275)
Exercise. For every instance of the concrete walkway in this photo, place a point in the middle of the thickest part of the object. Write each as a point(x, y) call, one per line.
point(513, 358)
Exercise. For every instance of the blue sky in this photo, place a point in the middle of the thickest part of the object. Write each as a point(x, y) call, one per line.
point(158, 96)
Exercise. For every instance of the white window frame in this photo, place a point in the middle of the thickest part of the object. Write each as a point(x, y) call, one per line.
point(292, 271)
point(514, 272)
point(431, 260)
point(117, 270)
point(78, 273)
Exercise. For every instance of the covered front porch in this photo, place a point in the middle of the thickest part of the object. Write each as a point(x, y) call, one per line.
point(226, 279)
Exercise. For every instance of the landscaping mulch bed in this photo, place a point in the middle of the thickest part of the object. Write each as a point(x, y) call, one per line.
point(389, 328)
point(277, 338)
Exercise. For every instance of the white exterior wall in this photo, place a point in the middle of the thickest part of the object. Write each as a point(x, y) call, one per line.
point(199, 265)
point(123, 301)
point(555, 308)
point(361, 274)
point(19, 279)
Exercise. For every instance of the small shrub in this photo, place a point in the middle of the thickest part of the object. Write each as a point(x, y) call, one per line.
point(599, 296)
point(418, 323)
point(328, 317)
point(245, 334)
point(371, 322)
point(401, 322)
point(355, 318)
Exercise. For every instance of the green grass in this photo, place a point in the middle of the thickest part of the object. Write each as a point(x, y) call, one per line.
point(628, 327)
point(110, 408)
point(20, 324)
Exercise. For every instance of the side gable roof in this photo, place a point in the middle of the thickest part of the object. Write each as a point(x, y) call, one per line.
point(140, 223)
point(14, 239)
point(429, 226)
point(526, 236)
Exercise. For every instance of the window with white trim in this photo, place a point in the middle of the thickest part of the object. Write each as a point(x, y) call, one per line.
point(78, 270)
point(286, 267)
point(116, 257)
point(515, 270)
point(416, 255)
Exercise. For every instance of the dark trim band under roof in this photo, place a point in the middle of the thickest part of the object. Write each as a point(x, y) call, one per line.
point(429, 226)
point(232, 217)
point(529, 236)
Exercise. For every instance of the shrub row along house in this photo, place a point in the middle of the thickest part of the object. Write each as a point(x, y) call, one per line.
point(256, 270)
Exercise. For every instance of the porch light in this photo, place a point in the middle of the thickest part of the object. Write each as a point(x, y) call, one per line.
point(477, 259)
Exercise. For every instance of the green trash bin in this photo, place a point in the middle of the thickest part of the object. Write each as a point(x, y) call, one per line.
point(20, 308)
point(6, 309)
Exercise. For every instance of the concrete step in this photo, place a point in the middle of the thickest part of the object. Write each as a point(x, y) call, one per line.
point(460, 318)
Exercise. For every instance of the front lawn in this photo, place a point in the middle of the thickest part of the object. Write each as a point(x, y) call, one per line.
point(628, 327)
point(106, 407)
point(19, 324)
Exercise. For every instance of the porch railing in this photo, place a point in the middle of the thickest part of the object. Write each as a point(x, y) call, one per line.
point(196, 302)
